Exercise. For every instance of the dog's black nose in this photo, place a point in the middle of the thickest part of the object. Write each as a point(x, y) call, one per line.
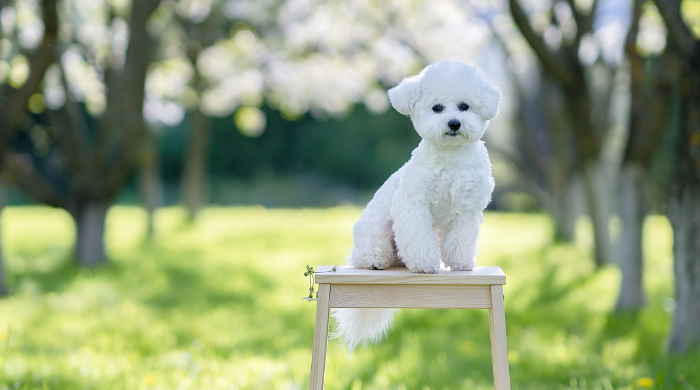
point(454, 124)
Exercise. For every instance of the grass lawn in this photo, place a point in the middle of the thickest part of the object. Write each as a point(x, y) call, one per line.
point(217, 305)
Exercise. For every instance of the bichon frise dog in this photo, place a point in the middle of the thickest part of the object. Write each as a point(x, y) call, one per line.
point(430, 209)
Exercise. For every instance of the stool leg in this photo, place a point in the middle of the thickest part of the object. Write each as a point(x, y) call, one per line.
point(318, 357)
point(499, 346)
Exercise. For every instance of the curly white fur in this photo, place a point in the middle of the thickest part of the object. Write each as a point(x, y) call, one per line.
point(430, 209)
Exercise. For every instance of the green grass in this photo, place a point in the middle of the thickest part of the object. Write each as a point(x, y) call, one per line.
point(217, 305)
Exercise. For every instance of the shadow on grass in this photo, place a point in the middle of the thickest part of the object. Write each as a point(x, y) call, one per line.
point(53, 277)
point(621, 324)
point(235, 298)
point(546, 300)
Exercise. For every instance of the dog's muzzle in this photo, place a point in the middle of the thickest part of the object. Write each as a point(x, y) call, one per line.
point(454, 126)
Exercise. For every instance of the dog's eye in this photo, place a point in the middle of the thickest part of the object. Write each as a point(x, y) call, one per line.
point(438, 108)
point(463, 106)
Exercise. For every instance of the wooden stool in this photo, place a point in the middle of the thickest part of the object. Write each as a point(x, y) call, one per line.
point(481, 288)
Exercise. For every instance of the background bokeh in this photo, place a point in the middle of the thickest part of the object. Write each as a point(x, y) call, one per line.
point(168, 169)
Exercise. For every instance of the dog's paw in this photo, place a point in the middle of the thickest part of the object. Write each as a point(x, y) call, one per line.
point(460, 263)
point(424, 269)
point(463, 267)
point(370, 262)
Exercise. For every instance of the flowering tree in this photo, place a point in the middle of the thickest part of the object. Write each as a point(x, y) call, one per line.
point(574, 68)
point(75, 146)
point(224, 59)
point(557, 46)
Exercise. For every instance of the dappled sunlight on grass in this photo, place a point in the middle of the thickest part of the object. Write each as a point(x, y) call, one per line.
point(217, 305)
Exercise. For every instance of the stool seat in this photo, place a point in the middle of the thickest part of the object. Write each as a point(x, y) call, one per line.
point(481, 288)
point(401, 275)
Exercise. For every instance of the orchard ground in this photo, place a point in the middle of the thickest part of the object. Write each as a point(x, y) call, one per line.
point(217, 305)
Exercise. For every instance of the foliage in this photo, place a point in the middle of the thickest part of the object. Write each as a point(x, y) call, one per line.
point(216, 305)
point(360, 151)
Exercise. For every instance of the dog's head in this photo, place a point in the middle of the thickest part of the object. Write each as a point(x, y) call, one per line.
point(448, 102)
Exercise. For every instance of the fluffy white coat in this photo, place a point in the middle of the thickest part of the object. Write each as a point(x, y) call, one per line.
point(432, 207)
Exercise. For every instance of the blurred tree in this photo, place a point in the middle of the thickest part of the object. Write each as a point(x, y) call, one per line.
point(14, 100)
point(194, 183)
point(95, 141)
point(211, 65)
point(150, 185)
point(3, 288)
point(542, 150)
point(294, 57)
point(587, 107)
point(684, 194)
point(652, 79)
point(551, 162)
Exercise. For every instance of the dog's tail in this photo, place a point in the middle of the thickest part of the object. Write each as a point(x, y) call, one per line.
point(362, 326)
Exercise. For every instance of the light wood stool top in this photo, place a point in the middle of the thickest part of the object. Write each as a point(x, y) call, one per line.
point(481, 288)
point(401, 275)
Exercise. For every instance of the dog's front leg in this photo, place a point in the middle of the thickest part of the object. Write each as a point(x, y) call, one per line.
point(458, 247)
point(416, 241)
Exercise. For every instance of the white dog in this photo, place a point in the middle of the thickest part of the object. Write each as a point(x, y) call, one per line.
point(431, 208)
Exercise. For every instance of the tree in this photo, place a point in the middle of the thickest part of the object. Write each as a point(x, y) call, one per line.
point(194, 180)
point(95, 151)
point(542, 152)
point(195, 183)
point(684, 193)
point(14, 100)
point(148, 161)
point(652, 79)
point(3, 287)
point(586, 108)
point(204, 33)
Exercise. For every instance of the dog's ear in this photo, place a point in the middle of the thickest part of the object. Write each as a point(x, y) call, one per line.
point(404, 96)
point(490, 100)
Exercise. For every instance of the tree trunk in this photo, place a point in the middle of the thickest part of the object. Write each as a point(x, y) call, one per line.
point(653, 79)
point(684, 214)
point(90, 218)
point(567, 212)
point(194, 183)
point(3, 286)
point(632, 208)
point(598, 204)
point(149, 181)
